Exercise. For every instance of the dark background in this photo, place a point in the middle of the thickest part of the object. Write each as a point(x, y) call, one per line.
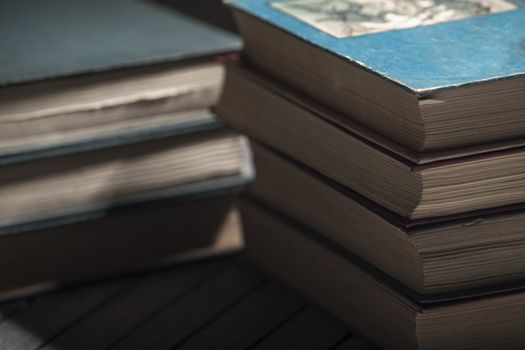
point(211, 11)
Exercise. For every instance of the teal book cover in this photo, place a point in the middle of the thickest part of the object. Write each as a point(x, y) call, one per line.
point(206, 121)
point(57, 38)
point(422, 45)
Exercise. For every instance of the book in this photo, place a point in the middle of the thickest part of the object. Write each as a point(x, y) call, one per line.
point(104, 68)
point(109, 210)
point(111, 159)
point(99, 36)
point(389, 316)
point(194, 223)
point(439, 259)
point(115, 205)
point(411, 186)
point(81, 182)
point(430, 75)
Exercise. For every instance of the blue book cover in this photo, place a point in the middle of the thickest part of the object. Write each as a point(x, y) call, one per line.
point(56, 38)
point(422, 45)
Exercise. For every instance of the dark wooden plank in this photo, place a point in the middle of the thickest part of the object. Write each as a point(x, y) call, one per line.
point(8, 309)
point(49, 315)
point(308, 330)
point(141, 301)
point(181, 319)
point(247, 322)
point(353, 343)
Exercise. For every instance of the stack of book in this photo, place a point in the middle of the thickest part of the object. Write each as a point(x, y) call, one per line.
point(389, 142)
point(110, 159)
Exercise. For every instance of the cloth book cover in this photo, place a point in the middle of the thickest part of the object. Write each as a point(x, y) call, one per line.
point(421, 45)
point(57, 38)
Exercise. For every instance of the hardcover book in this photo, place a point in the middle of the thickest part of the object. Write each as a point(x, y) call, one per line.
point(371, 304)
point(76, 184)
point(100, 69)
point(113, 206)
point(431, 75)
point(120, 240)
point(439, 259)
point(58, 38)
point(110, 159)
point(413, 186)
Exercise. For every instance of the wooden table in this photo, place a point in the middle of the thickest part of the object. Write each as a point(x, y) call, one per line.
point(219, 304)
